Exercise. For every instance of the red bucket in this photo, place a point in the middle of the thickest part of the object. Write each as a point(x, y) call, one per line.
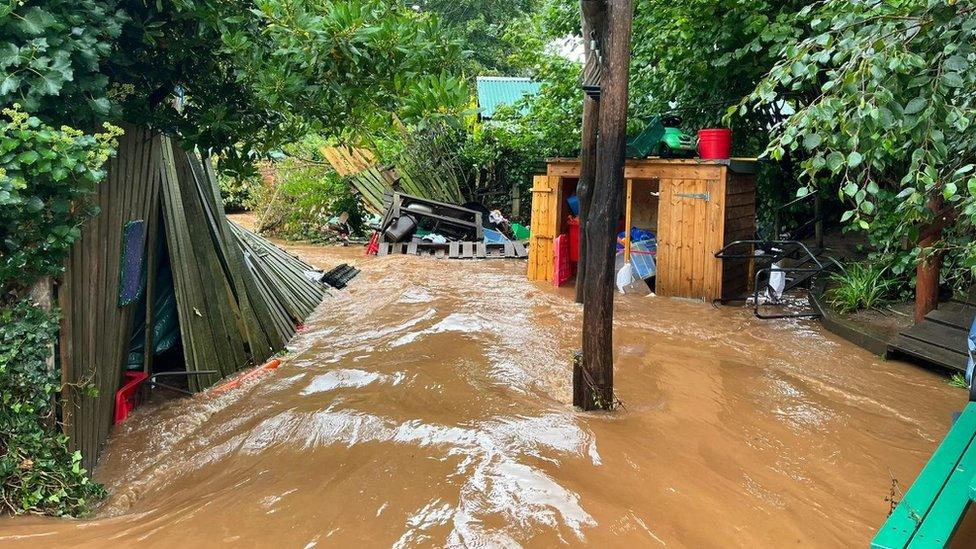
point(715, 143)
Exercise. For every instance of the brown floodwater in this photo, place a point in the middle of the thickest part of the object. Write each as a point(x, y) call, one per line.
point(428, 405)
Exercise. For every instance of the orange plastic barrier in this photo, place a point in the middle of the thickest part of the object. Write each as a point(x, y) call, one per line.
point(237, 381)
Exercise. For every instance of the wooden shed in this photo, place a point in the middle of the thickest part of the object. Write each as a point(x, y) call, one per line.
point(694, 207)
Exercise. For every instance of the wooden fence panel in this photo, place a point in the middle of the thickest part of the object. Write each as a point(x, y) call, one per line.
point(95, 331)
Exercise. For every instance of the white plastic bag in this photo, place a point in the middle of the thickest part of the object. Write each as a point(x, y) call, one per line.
point(777, 282)
point(625, 277)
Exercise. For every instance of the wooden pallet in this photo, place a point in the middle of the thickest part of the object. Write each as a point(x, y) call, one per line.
point(456, 250)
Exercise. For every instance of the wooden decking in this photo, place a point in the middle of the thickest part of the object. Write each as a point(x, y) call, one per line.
point(941, 337)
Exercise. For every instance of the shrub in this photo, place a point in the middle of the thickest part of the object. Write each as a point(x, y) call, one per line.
point(859, 286)
point(300, 192)
point(237, 192)
point(38, 474)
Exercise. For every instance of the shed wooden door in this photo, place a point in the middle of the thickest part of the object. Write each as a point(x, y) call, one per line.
point(543, 228)
point(690, 231)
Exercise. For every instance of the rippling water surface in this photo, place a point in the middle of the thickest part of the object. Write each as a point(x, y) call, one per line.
point(427, 405)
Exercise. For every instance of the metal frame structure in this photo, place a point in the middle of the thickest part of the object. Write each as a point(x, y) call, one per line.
point(786, 248)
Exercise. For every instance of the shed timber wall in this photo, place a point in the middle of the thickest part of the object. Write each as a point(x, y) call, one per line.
point(211, 327)
point(689, 232)
point(375, 184)
point(95, 332)
point(740, 224)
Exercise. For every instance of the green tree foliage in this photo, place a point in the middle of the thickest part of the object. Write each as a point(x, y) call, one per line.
point(693, 58)
point(697, 57)
point(888, 91)
point(52, 55)
point(253, 75)
point(482, 28)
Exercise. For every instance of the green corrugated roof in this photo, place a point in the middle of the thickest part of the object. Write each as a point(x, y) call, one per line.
point(502, 90)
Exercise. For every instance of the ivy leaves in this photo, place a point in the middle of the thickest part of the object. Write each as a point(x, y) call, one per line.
point(38, 474)
point(45, 175)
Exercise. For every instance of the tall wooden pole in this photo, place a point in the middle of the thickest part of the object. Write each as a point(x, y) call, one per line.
point(601, 226)
point(593, 26)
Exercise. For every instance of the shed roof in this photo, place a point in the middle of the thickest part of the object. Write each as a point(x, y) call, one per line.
point(502, 90)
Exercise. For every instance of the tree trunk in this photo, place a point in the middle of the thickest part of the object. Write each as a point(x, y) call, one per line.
point(41, 294)
point(591, 111)
point(601, 226)
point(593, 13)
point(927, 271)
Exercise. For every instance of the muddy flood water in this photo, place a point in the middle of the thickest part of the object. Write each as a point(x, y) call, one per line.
point(428, 405)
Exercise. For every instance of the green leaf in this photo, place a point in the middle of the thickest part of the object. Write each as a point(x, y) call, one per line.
point(949, 190)
point(10, 83)
point(953, 80)
point(35, 20)
point(34, 204)
point(100, 105)
point(916, 105)
point(811, 141)
point(834, 161)
point(957, 63)
point(48, 83)
point(850, 189)
point(854, 159)
point(28, 157)
point(9, 54)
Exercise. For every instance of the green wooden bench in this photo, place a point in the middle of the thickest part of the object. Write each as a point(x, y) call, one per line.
point(936, 502)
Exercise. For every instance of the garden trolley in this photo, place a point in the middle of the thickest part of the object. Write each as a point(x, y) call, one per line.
point(695, 207)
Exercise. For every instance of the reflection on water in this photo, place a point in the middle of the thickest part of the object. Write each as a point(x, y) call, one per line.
point(427, 405)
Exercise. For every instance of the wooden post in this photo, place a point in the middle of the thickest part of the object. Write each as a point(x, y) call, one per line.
point(596, 391)
point(627, 219)
point(593, 16)
point(927, 270)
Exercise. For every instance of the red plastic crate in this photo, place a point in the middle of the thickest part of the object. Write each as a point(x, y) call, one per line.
point(574, 238)
point(563, 267)
point(128, 397)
